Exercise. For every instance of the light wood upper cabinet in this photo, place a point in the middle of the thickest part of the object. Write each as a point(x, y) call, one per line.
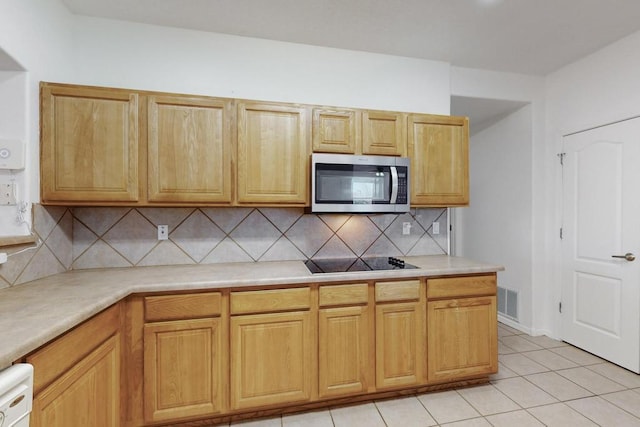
point(348, 131)
point(189, 149)
point(384, 133)
point(335, 130)
point(89, 144)
point(273, 154)
point(439, 153)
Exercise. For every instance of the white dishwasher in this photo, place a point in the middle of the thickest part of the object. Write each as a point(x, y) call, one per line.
point(16, 395)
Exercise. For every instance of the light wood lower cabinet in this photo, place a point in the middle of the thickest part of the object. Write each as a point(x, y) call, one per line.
point(344, 337)
point(399, 333)
point(462, 338)
point(271, 359)
point(77, 377)
point(86, 395)
point(188, 357)
point(399, 344)
point(182, 369)
point(462, 327)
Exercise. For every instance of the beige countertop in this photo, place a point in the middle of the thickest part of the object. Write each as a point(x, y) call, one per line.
point(31, 314)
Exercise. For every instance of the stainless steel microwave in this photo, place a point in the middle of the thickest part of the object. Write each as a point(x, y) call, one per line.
point(362, 184)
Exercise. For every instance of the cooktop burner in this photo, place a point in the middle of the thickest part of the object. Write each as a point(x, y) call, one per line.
point(341, 265)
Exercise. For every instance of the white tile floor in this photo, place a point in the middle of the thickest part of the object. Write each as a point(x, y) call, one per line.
point(541, 382)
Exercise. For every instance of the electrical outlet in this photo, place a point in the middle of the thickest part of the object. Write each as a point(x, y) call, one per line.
point(406, 228)
point(7, 194)
point(435, 228)
point(3, 257)
point(163, 232)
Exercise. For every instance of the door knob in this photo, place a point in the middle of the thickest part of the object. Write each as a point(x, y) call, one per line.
point(628, 256)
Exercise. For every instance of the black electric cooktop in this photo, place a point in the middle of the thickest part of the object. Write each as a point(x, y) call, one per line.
point(342, 265)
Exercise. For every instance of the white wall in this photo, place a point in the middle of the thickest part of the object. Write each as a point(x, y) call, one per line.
point(536, 160)
point(37, 35)
point(497, 227)
point(601, 88)
point(116, 53)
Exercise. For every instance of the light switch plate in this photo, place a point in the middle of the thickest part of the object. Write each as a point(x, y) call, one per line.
point(435, 228)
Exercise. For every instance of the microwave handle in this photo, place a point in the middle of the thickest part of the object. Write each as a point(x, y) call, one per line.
point(394, 185)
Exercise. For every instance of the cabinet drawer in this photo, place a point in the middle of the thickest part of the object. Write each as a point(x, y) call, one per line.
point(454, 287)
point(344, 294)
point(60, 355)
point(398, 291)
point(175, 307)
point(272, 300)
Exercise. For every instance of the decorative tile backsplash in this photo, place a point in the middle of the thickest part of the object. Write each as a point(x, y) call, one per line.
point(82, 238)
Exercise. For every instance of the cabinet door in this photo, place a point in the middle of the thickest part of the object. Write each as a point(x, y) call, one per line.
point(273, 154)
point(384, 133)
point(334, 131)
point(189, 149)
point(182, 369)
point(86, 395)
point(343, 351)
point(462, 338)
point(439, 152)
point(271, 359)
point(89, 145)
point(399, 344)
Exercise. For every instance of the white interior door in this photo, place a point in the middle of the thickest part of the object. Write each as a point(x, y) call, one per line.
point(601, 219)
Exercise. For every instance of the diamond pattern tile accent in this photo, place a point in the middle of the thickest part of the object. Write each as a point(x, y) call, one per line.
point(255, 234)
point(426, 246)
point(43, 264)
point(382, 221)
point(283, 250)
point(100, 255)
point(166, 253)
point(197, 235)
point(283, 218)
point(99, 220)
point(98, 237)
point(225, 218)
point(382, 247)
point(227, 251)
point(404, 242)
point(60, 240)
point(46, 218)
point(166, 216)
point(133, 237)
point(335, 221)
point(83, 238)
point(335, 248)
point(358, 233)
point(308, 234)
